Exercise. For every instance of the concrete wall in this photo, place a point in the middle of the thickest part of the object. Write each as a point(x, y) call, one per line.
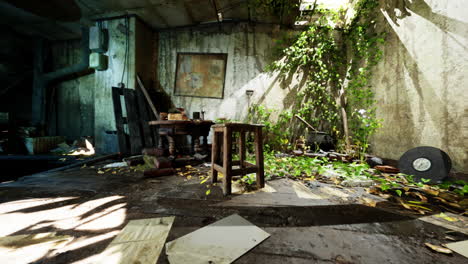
point(84, 105)
point(249, 48)
point(421, 83)
point(104, 81)
point(72, 114)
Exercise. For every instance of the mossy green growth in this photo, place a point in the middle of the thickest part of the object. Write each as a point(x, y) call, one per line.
point(337, 66)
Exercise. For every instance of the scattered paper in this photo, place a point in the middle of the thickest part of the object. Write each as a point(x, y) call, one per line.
point(221, 242)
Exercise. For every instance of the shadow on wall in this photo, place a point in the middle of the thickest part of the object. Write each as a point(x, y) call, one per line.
point(249, 48)
point(399, 9)
point(419, 101)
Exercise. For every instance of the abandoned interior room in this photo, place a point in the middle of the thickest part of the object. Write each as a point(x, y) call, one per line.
point(243, 131)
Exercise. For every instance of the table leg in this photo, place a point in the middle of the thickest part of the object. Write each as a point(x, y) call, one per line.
point(171, 141)
point(205, 143)
point(197, 148)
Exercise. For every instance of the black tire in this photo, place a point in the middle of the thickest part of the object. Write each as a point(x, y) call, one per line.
point(439, 168)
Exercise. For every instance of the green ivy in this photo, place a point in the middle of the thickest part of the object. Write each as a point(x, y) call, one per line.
point(332, 60)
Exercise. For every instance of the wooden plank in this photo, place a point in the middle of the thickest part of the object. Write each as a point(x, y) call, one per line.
point(218, 168)
point(134, 129)
point(242, 151)
point(259, 157)
point(148, 98)
point(244, 171)
point(119, 121)
point(227, 160)
point(141, 241)
point(214, 157)
point(148, 136)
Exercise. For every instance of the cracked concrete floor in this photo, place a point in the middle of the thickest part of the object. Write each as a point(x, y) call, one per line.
point(306, 225)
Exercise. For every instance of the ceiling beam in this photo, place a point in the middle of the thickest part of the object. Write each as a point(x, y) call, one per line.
point(189, 12)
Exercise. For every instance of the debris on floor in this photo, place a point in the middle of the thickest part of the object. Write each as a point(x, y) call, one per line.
point(116, 165)
point(438, 249)
point(141, 241)
point(221, 242)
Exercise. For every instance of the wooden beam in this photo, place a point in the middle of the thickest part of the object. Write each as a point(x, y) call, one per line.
point(148, 98)
point(189, 12)
point(141, 241)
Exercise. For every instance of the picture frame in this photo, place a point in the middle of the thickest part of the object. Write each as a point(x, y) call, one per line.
point(200, 74)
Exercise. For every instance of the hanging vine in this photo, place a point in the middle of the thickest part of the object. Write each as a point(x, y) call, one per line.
point(337, 65)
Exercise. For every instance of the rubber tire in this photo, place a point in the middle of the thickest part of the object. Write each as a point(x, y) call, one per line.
point(440, 164)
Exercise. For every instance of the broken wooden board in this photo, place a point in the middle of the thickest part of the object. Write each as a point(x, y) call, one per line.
point(221, 242)
point(460, 247)
point(141, 241)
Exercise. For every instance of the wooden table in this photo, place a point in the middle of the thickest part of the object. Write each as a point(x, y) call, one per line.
point(194, 128)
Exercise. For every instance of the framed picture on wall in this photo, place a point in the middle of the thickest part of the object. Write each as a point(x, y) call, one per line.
point(200, 74)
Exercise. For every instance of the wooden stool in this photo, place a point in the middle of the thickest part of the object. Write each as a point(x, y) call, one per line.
point(222, 135)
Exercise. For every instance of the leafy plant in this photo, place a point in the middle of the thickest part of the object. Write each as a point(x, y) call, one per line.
point(337, 66)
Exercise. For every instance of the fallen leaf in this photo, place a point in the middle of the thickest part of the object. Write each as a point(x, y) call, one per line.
point(417, 195)
point(100, 172)
point(208, 192)
point(447, 203)
point(449, 197)
point(385, 196)
point(419, 206)
point(438, 248)
point(446, 217)
point(369, 202)
point(63, 159)
point(430, 191)
point(84, 166)
point(416, 202)
point(451, 238)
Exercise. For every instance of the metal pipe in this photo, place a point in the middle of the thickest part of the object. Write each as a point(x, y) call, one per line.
point(81, 66)
point(42, 80)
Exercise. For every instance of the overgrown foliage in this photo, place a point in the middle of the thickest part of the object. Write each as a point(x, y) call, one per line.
point(336, 65)
point(302, 167)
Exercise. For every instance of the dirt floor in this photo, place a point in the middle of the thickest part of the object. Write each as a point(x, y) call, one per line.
point(318, 223)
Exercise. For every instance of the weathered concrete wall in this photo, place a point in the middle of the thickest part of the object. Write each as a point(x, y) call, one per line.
point(105, 80)
point(72, 114)
point(421, 83)
point(249, 49)
point(84, 105)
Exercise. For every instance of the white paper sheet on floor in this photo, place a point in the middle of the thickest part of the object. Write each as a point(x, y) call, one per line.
point(219, 243)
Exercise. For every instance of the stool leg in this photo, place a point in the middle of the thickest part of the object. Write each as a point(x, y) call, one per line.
point(227, 160)
point(215, 149)
point(242, 151)
point(259, 157)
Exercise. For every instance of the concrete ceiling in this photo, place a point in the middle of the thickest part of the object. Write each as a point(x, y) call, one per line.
point(159, 14)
